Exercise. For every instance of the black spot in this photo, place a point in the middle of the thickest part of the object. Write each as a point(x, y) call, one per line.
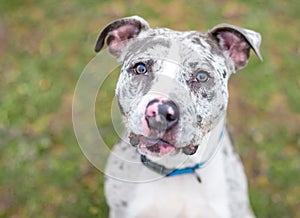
point(124, 203)
point(193, 65)
point(211, 96)
point(224, 74)
point(154, 149)
point(199, 120)
point(210, 58)
point(196, 40)
point(204, 94)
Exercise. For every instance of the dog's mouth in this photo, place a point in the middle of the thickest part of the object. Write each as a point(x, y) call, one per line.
point(158, 147)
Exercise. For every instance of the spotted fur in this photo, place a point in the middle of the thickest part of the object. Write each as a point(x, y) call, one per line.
point(173, 60)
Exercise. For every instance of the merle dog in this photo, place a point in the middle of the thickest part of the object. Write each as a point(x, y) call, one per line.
point(172, 92)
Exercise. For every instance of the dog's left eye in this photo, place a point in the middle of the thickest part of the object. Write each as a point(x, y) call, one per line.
point(140, 68)
point(202, 76)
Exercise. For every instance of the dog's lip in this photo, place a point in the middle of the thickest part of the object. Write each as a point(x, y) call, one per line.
point(155, 147)
point(158, 147)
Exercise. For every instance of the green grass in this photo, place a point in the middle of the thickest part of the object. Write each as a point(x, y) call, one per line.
point(45, 45)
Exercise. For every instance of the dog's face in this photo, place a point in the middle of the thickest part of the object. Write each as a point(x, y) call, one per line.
point(172, 89)
point(186, 69)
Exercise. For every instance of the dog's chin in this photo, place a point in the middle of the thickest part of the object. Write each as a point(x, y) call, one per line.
point(158, 147)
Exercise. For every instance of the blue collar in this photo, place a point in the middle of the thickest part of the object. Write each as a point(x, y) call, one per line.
point(169, 172)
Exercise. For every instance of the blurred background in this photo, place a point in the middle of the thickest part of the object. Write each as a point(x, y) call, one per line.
point(45, 45)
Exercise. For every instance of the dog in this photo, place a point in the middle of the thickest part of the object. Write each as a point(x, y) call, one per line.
point(172, 93)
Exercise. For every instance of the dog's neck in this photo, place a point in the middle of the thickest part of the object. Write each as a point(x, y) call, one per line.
point(206, 150)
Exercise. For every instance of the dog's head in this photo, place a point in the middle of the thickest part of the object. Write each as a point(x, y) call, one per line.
point(172, 89)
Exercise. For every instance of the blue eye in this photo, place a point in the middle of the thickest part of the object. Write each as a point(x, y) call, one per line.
point(202, 76)
point(140, 68)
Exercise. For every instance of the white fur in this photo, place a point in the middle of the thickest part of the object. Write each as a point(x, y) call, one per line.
point(181, 196)
point(134, 191)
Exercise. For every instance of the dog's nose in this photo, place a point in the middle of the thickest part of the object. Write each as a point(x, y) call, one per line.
point(161, 115)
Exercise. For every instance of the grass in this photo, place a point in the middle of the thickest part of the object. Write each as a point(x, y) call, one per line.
point(45, 45)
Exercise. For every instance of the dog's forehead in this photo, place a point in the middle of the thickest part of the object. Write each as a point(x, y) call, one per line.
point(186, 48)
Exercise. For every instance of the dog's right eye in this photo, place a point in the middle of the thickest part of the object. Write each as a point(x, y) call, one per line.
point(140, 68)
point(202, 76)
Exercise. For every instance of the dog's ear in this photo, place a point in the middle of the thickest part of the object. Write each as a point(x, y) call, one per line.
point(236, 42)
point(119, 32)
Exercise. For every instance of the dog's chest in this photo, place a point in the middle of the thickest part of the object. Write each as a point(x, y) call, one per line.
point(181, 196)
point(177, 196)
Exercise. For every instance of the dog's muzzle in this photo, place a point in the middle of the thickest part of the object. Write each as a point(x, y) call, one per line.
point(161, 118)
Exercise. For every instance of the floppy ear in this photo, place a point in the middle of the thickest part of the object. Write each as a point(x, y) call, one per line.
point(236, 42)
point(119, 32)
